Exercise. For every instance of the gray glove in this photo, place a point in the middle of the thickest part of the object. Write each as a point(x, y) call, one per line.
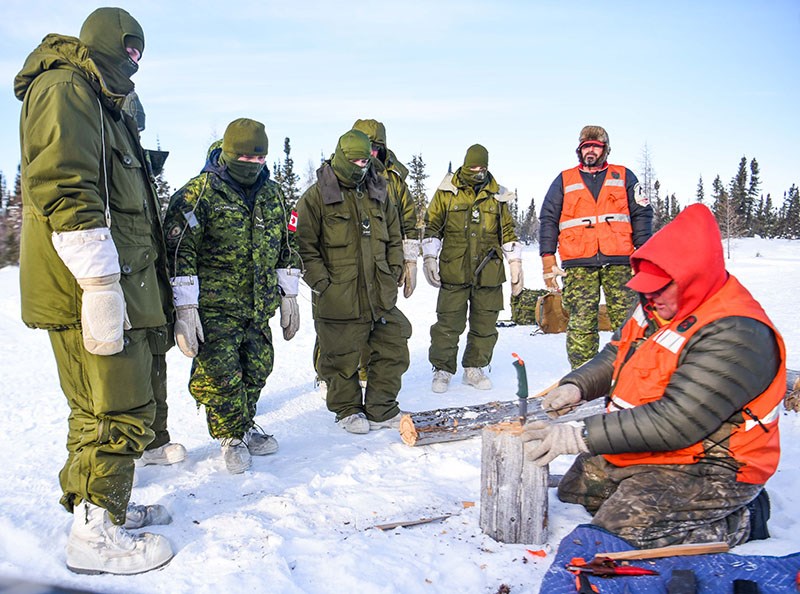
point(188, 329)
point(555, 440)
point(290, 316)
point(561, 400)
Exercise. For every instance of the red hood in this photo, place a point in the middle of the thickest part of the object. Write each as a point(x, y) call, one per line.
point(689, 249)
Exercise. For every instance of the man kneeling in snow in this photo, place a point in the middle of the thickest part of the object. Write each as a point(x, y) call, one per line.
point(694, 380)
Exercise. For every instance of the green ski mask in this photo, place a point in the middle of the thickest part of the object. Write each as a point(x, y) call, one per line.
point(244, 137)
point(244, 172)
point(107, 32)
point(352, 145)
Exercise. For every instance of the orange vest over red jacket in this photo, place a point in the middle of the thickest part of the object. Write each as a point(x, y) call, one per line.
point(587, 225)
point(755, 443)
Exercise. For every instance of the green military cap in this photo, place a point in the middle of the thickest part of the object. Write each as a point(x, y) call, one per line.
point(477, 156)
point(245, 137)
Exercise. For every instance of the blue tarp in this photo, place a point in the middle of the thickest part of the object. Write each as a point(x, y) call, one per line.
point(714, 573)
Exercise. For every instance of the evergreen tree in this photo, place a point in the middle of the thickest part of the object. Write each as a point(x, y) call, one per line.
point(660, 207)
point(163, 190)
point(674, 208)
point(12, 225)
point(701, 194)
point(528, 230)
point(416, 186)
point(724, 209)
point(286, 178)
point(754, 187)
point(790, 214)
point(739, 197)
point(769, 218)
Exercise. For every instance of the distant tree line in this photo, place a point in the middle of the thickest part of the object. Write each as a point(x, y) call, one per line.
point(740, 207)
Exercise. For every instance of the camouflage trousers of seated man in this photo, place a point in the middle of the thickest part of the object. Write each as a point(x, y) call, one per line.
point(652, 505)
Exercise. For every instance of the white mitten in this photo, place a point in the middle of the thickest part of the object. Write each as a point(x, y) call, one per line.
point(290, 316)
point(430, 260)
point(188, 330)
point(103, 315)
point(91, 257)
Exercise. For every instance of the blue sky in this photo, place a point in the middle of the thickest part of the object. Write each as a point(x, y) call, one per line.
point(701, 83)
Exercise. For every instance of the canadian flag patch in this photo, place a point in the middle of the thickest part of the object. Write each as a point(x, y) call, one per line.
point(292, 226)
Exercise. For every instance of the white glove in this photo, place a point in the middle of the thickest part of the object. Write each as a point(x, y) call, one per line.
point(188, 330)
point(290, 316)
point(289, 283)
point(512, 250)
point(561, 400)
point(430, 260)
point(91, 257)
point(103, 315)
point(517, 278)
point(555, 440)
point(430, 266)
point(408, 279)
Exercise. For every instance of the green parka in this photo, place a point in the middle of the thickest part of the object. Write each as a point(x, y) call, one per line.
point(472, 230)
point(82, 168)
point(350, 243)
point(232, 239)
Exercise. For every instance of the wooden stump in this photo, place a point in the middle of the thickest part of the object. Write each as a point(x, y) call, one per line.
point(513, 490)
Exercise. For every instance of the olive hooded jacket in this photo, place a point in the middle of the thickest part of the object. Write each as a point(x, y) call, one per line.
point(82, 168)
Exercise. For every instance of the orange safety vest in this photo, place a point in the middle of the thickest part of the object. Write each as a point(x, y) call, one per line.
point(755, 443)
point(588, 225)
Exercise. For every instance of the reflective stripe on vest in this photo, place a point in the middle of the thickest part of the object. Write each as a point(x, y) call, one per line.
point(589, 225)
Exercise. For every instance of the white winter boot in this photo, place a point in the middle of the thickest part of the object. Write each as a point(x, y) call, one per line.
point(473, 376)
point(169, 453)
point(236, 455)
point(95, 545)
point(441, 380)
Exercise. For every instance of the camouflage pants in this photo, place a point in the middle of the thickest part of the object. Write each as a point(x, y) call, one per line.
point(111, 412)
point(230, 371)
point(659, 505)
point(342, 346)
point(484, 305)
point(581, 299)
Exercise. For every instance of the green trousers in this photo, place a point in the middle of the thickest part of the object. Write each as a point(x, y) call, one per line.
point(341, 346)
point(111, 413)
point(484, 305)
point(160, 339)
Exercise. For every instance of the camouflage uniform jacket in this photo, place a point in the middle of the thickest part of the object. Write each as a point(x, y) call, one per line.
point(349, 240)
point(471, 228)
point(231, 239)
point(82, 168)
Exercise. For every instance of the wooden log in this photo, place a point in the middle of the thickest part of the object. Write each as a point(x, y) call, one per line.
point(513, 490)
point(462, 422)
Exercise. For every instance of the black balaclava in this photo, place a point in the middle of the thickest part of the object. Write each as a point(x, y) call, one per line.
point(107, 32)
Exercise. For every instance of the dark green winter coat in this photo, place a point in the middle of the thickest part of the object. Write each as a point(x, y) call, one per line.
point(472, 228)
point(351, 247)
point(82, 167)
point(233, 239)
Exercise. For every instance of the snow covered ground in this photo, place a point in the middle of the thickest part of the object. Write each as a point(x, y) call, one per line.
point(301, 521)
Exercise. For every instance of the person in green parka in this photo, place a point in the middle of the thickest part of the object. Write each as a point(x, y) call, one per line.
point(468, 231)
point(233, 262)
point(395, 173)
point(93, 273)
point(349, 238)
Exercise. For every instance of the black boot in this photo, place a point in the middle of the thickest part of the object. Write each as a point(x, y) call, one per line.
point(759, 514)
